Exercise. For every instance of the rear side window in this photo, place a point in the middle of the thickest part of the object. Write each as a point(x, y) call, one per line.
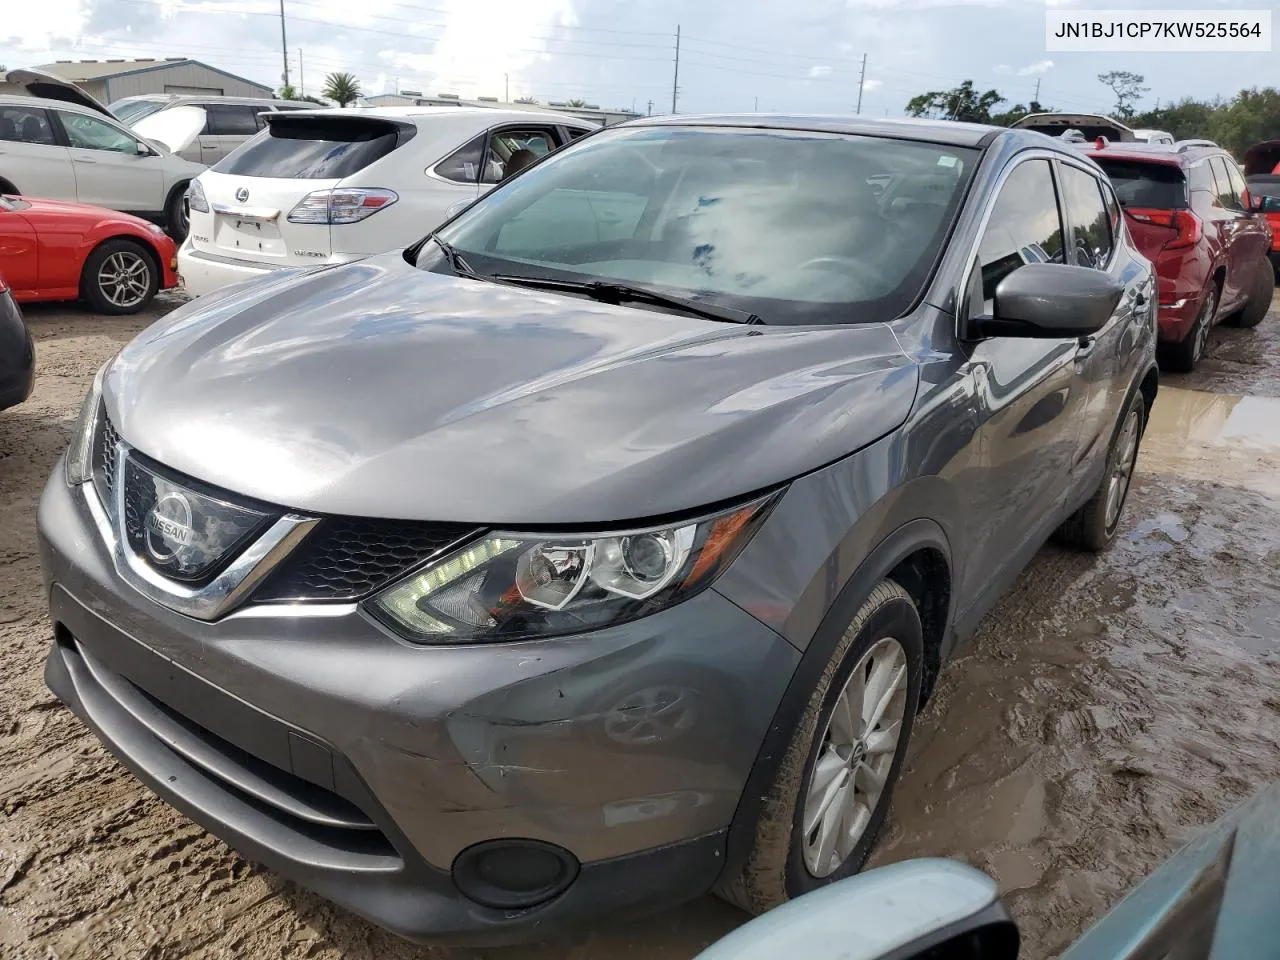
point(230, 120)
point(25, 125)
point(1238, 186)
point(1223, 190)
point(463, 165)
point(1088, 217)
point(1153, 186)
point(1024, 227)
point(313, 148)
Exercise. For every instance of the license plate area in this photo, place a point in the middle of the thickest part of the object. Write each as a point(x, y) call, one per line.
point(239, 235)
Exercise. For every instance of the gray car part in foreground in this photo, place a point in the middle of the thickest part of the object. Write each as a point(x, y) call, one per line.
point(502, 790)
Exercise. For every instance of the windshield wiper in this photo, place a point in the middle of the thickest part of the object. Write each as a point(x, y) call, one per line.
point(610, 291)
point(454, 258)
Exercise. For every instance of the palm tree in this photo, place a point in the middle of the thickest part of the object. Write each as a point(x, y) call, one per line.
point(576, 103)
point(288, 92)
point(341, 88)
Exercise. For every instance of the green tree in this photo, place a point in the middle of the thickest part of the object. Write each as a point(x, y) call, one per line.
point(341, 88)
point(1007, 118)
point(575, 103)
point(960, 103)
point(287, 92)
point(1187, 119)
point(1248, 118)
point(1128, 90)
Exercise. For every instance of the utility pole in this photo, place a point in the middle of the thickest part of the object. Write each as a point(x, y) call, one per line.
point(284, 46)
point(862, 77)
point(756, 108)
point(1036, 98)
point(675, 78)
point(651, 108)
point(506, 85)
point(302, 77)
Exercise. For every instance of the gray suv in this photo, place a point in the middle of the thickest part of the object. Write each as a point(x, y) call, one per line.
point(600, 549)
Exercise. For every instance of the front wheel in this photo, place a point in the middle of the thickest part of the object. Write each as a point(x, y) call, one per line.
point(1093, 527)
point(177, 217)
point(119, 277)
point(831, 796)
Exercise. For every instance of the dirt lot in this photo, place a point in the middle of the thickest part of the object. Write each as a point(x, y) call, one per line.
point(1106, 709)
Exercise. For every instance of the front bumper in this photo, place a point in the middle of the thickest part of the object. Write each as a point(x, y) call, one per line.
point(361, 767)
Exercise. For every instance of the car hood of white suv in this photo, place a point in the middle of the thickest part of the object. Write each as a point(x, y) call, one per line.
point(175, 129)
point(379, 389)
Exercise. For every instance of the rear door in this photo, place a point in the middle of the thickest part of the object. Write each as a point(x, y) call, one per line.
point(31, 158)
point(113, 168)
point(227, 125)
point(254, 193)
point(1234, 225)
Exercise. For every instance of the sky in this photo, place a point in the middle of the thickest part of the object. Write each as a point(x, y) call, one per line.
point(735, 55)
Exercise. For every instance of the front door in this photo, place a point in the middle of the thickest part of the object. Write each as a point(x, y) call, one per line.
point(113, 168)
point(1028, 396)
point(1234, 225)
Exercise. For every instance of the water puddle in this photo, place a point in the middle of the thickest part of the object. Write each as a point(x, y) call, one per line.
point(1218, 438)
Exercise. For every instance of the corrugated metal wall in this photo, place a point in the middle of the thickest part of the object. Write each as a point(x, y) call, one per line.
point(180, 78)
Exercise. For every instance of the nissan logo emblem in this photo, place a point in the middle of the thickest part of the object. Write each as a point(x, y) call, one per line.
point(168, 527)
point(242, 194)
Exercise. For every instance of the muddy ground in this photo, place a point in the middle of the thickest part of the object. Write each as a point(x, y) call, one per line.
point(1106, 709)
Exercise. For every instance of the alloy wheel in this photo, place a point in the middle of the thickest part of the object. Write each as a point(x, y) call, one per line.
point(1204, 323)
point(125, 279)
point(1122, 467)
point(855, 758)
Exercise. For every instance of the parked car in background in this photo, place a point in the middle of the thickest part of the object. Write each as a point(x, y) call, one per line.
point(1215, 899)
point(1186, 208)
point(62, 151)
point(17, 350)
point(50, 250)
point(199, 128)
point(1153, 136)
point(1262, 174)
point(600, 548)
point(331, 186)
point(1091, 126)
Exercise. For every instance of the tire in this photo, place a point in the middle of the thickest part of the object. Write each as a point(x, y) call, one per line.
point(9, 188)
point(1259, 302)
point(123, 259)
point(1093, 527)
point(176, 219)
point(778, 868)
point(1183, 356)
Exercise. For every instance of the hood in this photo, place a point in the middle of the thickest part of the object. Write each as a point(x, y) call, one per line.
point(37, 83)
point(1262, 158)
point(377, 389)
point(38, 205)
point(175, 128)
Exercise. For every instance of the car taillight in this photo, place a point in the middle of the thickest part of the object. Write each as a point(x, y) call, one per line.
point(341, 205)
point(1184, 221)
point(195, 198)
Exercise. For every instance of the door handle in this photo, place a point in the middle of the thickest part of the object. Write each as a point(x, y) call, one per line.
point(84, 160)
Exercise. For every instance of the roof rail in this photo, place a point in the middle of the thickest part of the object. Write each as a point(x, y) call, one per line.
point(1184, 145)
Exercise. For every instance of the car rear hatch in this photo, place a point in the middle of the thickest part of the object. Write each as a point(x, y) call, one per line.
point(274, 199)
point(1090, 125)
point(37, 83)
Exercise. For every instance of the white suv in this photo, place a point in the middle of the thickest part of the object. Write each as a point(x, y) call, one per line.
point(200, 129)
point(63, 151)
point(330, 186)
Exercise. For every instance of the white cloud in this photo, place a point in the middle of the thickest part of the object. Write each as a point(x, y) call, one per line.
point(820, 71)
point(870, 85)
point(1002, 68)
point(1032, 69)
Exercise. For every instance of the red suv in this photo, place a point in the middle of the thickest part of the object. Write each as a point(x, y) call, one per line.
point(1188, 211)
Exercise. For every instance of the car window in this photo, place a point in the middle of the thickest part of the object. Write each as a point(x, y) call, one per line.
point(230, 120)
point(576, 132)
point(1150, 186)
point(90, 133)
point(1024, 227)
point(504, 143)
point(1222, 192)
point(130, 111)
point(1087, 215)
point(1200, 180)
point(26, 125)
point(463, 165)
point(778, 223)
point(1238, 186)
point(301, 147)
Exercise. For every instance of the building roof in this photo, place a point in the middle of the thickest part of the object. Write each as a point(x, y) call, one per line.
point(82, 70)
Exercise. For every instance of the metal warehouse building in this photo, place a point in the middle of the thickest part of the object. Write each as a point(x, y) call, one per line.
point(109, 80)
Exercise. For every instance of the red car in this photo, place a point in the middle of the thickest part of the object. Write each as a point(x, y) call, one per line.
point(50, 250)
point(1262, 172)
point(1187, 207)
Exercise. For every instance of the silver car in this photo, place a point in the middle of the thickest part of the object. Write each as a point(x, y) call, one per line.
point(202, 129)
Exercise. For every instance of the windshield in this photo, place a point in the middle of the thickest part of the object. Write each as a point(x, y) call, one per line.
point(131, 111)
point(795, 226)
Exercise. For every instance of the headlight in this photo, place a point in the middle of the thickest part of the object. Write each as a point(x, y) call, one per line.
point(511, 586)
point(80, 452)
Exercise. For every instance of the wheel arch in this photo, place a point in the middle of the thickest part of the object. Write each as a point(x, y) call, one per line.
point(142, 243)
point(8, 186)
point(917, 556)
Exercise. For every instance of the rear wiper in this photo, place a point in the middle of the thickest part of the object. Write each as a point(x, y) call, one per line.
point(454, 258)
point(609, 291)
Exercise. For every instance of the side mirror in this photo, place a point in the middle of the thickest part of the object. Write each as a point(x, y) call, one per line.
point(143, 149)
point(1254, 204)
point(1050, 301)
point(907, 911)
